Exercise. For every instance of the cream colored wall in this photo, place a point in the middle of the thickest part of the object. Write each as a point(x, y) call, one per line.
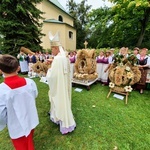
point(68, 44)
point(52, 12)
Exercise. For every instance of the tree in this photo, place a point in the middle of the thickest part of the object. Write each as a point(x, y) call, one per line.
point(132, 14)
point(20, 25)
point(100, 27)
point(80, 13)
point(126, 23)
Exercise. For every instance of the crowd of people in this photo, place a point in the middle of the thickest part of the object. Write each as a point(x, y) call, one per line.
point(26, 60)
point(106, 58)
point(17, 97)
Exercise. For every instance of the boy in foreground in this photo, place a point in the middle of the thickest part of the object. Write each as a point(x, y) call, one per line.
point(17, 104)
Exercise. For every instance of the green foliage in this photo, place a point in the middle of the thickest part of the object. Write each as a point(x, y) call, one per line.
point(119, 59)
point(126, 23)
point(20, 25)
point(102, 123)
point(132, 18)
point(99, 25)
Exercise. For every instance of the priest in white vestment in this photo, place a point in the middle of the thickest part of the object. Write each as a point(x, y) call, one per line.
point(58, 77)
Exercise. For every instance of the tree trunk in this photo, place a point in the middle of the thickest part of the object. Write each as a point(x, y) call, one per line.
point(141, 37)
point(144, 24)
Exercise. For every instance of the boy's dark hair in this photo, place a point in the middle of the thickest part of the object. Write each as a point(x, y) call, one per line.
point(8, 63)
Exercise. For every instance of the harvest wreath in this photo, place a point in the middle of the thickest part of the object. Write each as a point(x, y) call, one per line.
point(123, 73)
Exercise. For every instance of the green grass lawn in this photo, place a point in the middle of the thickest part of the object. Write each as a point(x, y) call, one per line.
point(110, 123)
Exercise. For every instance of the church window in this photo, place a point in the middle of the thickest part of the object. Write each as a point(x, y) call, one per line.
point(60, 18)
point(70, 35)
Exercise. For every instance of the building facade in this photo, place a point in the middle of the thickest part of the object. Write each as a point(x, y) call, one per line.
point(56, 19)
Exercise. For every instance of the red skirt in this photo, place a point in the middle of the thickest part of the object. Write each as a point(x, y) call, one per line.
point(24, 143)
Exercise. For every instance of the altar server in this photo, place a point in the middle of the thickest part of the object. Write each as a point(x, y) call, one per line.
point(17, 104)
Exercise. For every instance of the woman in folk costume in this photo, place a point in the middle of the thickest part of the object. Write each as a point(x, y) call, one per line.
point(136, 52)
point(99, 60)
point(22, 57)
point(124, 52)
point(58, 77)
point(72, 59)
point(106, 61)
point(31, 59)
point(144, 64)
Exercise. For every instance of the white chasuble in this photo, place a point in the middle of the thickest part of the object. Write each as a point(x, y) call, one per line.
point(58, 77)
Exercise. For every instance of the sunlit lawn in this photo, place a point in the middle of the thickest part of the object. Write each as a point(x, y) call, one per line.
point(102, 123)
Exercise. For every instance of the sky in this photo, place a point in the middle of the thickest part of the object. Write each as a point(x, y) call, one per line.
point(95, 3)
